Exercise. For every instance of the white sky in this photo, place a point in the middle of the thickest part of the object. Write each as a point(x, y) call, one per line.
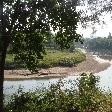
point(101, 30)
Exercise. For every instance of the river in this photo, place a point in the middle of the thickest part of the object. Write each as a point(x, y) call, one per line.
point(11, 87)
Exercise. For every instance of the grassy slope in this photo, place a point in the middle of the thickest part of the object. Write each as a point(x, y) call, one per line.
point(56, 58)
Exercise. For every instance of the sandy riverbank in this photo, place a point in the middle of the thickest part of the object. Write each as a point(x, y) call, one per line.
point(90, 65)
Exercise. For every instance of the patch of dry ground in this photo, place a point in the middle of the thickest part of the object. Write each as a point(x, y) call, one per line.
point(89, 65)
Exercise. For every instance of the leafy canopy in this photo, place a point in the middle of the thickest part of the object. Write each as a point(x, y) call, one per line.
point(27, 25)
point(93, 12)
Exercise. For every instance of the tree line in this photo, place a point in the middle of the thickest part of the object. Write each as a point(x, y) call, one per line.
point(99, 45)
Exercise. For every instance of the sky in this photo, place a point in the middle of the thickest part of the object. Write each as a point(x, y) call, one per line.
point(102, 30)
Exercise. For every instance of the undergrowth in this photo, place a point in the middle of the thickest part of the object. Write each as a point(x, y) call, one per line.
point(83, 96)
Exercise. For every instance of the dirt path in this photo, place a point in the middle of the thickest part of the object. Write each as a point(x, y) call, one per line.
point(90, 65)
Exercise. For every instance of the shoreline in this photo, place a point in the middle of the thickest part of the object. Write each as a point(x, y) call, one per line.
point(90, 65)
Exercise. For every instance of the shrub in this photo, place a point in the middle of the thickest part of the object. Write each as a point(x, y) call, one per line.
point(87, 98)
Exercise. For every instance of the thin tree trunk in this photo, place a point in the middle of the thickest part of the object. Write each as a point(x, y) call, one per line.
point(4, 43)
point(2, 63)
point(5, 39)
point(2, 57)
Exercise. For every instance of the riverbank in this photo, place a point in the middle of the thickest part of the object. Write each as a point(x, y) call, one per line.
point(91, 64)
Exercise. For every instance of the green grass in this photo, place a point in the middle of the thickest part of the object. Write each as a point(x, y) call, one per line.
point(54, 58)
point(58, 58)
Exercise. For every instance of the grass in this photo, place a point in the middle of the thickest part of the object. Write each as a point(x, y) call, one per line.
point(58, 58)
point(54, 58)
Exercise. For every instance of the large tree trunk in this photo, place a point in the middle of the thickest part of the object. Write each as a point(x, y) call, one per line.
point(2, 63)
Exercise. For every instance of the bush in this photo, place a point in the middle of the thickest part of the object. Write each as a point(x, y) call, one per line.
point(87, 98)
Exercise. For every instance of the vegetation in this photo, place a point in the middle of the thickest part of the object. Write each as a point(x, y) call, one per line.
point(87, 98)
point(58, 58)
point(100, 45)
point(26, 25)
point(51, 59)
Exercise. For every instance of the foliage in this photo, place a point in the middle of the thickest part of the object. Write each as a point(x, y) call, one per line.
point(51, 59)
point(100, 45)
point(87, 98)
point(27, 26)
point(94, 13)
point(26, 23)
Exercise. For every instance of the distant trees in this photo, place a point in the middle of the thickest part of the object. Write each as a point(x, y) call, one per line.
point(100, 45)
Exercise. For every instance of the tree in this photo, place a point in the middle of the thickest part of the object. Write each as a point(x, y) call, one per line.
point(109, 36)
point(25, 24)
point(93, 12)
